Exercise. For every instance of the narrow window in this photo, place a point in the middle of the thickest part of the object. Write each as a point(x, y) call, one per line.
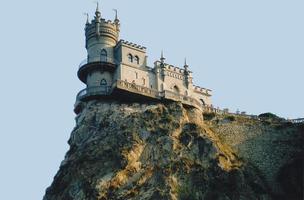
point(103, 82)
point(144, 81)
point(130, 57)
point(103, 55)
point(136, 60)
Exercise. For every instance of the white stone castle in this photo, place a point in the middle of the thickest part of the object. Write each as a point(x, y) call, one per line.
point(118, 69)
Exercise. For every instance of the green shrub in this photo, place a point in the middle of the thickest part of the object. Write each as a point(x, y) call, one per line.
point(230, 118)
point(268, 115)
point(208, 116)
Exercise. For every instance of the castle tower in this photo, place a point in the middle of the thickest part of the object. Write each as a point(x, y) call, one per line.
point(98, 69)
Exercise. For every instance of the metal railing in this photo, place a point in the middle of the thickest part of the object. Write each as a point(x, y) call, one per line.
point(94, 91)
point(132, 87)
point(296, 121)
point(100, 60)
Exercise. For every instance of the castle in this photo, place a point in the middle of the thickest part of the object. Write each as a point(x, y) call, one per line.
point(118, 68)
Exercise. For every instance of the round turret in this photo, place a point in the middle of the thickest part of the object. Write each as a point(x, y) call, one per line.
point(101, 35)
point(101, 38)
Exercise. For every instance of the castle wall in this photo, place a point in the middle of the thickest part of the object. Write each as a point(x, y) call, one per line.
point(123, 50)
point(139, 76)
point(175, 81)
point(206, 99)
point(152, 80)
point(95, 47)
point(94, 78)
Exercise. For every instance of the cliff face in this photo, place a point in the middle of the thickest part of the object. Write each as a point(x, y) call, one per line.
point(166, 151)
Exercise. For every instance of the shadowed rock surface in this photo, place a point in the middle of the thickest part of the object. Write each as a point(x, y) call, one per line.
point(165, 151)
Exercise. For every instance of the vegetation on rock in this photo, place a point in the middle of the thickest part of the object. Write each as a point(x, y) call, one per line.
point(165, 151)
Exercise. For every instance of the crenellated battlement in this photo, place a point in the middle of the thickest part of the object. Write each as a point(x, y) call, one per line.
point(133, 45)
point(102, 28)
point(171, 68)
point(103, 22)
point(202, 90)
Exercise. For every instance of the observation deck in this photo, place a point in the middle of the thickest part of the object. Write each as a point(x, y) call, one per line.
point(93, 92)
point(105, 64)
point(124, 90)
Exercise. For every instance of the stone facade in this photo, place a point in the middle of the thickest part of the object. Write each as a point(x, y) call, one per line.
point(114, 64)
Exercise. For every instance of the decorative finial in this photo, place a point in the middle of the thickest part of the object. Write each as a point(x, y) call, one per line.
point(97, 7)
point(116, 17)
point(162, 58)
point(87, 14)
point(186, 66)
point(97, 13)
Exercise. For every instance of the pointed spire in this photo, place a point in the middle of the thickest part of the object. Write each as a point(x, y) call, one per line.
point(97, 7)
point(186, 66)
point(97, 13)
point(87, 14)
point(116, 17)
point(162, 58)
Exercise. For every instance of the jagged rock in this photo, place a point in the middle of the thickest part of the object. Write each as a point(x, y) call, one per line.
point(161, 151)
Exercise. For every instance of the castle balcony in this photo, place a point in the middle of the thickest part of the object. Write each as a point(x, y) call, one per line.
point(136, 89)
point(166, 94)
point(92, 92)
point(104, 64)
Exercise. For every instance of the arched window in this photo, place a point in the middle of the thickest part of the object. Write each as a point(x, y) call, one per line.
point(130, 57)
point(175, 89)
point(103, 55)
point(103, 82)
point(186, 93)
point(136, 60)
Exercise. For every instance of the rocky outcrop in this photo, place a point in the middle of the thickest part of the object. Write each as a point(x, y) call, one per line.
point(165, 151)
point(273, 146)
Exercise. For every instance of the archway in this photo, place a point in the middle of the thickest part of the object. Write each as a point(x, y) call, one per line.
point(176, 89)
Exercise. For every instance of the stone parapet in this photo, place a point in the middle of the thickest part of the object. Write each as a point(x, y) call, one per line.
point(201, 90)
point(132, 87)
point(182, 98)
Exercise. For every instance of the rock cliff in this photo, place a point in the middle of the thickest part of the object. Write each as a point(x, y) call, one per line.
point(166, 151)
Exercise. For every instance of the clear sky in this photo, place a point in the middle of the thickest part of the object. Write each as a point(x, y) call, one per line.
point(249, 52)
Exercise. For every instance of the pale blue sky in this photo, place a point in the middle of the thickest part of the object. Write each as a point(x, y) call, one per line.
point(249, 52)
